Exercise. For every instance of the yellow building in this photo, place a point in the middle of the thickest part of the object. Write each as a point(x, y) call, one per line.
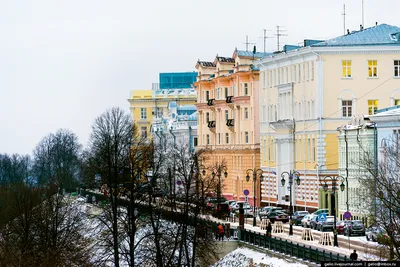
point(307, 93)
point(151, 106)
point(228, 120)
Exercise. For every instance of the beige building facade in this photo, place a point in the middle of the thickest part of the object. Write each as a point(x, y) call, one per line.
point(307, 92)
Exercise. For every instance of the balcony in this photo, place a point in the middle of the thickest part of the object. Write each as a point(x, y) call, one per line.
point(210, 102)
point(229, 99)
point(230, 123)
point(211, 124)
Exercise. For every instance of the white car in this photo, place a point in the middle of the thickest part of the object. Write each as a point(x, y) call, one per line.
point(305, 222)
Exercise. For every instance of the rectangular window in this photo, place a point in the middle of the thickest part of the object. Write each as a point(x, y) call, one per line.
point(279, 76)
point(246, 89)
point(372, 106)
point(218, 93)
point(396, 69)
point(207, 95)
point(347, 108)
point(234, 90)
point(219, 138)
point(208, 139)
point(143, 113)
point(372, 68)
point(227, 138)
point(143, 132)
point(195, 141)
point(346, 68)
point(226, 115)
point(246, 137)
point(226, 92)
point(246, 113)
point(397, 102)
point(294, 73)
point(207, 117)
point(299, 73)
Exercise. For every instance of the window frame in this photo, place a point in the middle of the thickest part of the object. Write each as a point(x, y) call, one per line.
point(207, 139)
point(246, 113)
point(373, 67)
point(143, 132)
point(346, 108)
point(346, 69)
point(246, 137)
point(226, 115)
point(373, 106)
point(396, 67)
point(226, 138)
point(143, 113)
point(246, 89)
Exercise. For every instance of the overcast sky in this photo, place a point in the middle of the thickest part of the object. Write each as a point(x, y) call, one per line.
point(64, 62)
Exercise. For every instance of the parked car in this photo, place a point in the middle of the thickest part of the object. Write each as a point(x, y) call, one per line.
point(326, 224)
point(212, 202)
point(373, 232)
point(298, 216)
point(274, 216)
point(313, 222)
point(232, 203)
point(222, 210)
point(318, 212)
point(341, 225)
point(354, 227)
point(305, 222)
point(246, 205)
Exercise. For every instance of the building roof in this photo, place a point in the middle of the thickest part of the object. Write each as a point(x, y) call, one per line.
point(225, 59)
point(392, 111)
point(206, 63)
point(382, 34)
point(242, 53)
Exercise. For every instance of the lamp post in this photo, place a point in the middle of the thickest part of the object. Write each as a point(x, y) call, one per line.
point(290, 176)
point(334, 179)
point(217, 172)
point(255, 171)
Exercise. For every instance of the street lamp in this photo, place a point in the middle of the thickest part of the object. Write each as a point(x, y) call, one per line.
point(218, 172)
point(254, 191)
point(290, 175)
point(334, 179)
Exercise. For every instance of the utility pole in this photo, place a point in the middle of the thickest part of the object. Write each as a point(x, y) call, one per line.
point(279, 34)
point(247, 43)
point(344, 19)
point(265, 37)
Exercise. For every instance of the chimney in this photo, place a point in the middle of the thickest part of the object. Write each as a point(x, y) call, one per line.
point(376, 23)
point(348, 31)
point(361, 27)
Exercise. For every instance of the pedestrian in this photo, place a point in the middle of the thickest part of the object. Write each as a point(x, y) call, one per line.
point(269, 229)
point(354, 256)
point(220, 232)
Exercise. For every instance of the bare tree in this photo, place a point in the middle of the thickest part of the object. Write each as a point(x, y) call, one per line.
point(45, 229)
point(58, 156)
point(109, 149)
point(381, 189)
point(14, 168)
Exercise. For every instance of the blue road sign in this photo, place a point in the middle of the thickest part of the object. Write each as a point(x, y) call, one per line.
point(347, 215)
point(322, 217)
point(246, 192)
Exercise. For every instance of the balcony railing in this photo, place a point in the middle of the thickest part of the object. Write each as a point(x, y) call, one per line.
point(211, 124)
point(229, 99)
point(230, 123)
point(210, 102)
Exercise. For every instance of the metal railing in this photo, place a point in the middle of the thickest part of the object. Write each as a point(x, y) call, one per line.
point(284, 246)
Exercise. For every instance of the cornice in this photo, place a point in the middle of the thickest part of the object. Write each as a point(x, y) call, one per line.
point(132, 100)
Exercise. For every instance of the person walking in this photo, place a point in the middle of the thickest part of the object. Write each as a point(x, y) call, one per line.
point(220, 232)
point(269, 229)
point(354, 256)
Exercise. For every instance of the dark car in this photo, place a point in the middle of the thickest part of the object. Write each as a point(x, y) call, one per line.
point(222, 210)
point(354, 227)
point(298, 216)
point(212, 202)
point(322, 225)
point(274, 216)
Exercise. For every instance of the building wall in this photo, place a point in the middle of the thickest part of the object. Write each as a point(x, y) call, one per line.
point(308, 84)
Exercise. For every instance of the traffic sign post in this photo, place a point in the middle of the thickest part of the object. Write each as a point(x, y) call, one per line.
point(347, 215)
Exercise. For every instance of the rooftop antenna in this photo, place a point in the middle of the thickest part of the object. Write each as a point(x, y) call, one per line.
point(344, 19)
point(362, 8)
point(247, 43)
point(279, 34)
point(265, 37)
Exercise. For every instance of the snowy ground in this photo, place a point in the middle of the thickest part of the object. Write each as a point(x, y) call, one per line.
point(243, 257)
